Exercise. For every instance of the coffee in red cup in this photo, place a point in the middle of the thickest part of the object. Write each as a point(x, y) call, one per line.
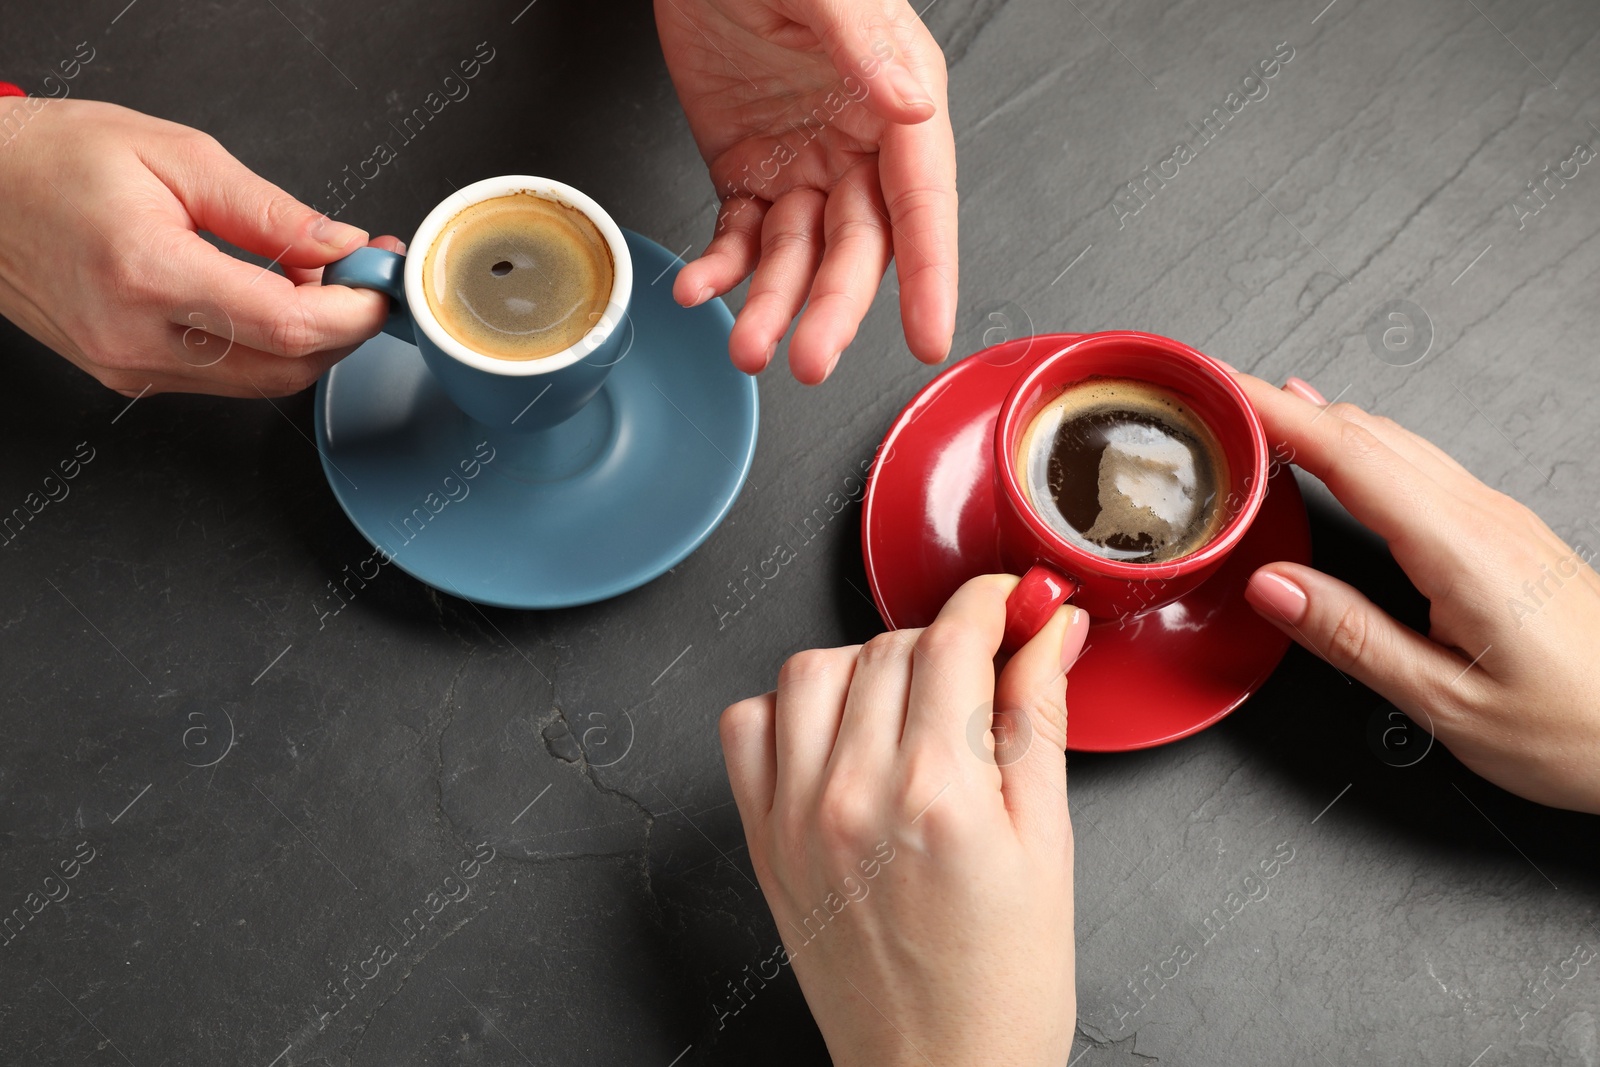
point(1128, 467)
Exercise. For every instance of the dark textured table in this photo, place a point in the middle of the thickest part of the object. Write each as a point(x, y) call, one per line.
point(254, 798)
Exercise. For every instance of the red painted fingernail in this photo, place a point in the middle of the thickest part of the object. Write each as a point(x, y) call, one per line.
point(1305, 391)
point(1276, 597)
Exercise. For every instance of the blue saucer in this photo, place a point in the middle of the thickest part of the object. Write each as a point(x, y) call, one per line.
point(584, 511)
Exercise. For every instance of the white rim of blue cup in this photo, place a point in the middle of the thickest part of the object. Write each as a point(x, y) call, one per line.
point(509, 185)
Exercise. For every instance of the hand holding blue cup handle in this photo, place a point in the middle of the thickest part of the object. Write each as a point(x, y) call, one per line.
point(380, 269)
point(515, 395)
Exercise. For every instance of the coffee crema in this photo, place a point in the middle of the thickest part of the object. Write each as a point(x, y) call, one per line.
point(518, 277)
point(1125, 470)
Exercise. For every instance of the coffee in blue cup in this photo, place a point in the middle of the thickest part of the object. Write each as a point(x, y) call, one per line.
point(515, 291)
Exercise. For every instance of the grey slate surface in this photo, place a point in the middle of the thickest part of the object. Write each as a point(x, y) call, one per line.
point(172, 600)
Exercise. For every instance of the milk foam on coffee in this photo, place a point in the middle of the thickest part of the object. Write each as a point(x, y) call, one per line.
point(1125, 470)
point(518, 277)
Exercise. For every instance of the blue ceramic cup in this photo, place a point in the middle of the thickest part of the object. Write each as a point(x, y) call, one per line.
point(503, 394)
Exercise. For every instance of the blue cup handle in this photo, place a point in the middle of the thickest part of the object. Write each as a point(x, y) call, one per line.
point(377, 268)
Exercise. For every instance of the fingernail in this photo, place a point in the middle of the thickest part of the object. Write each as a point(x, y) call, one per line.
point(832, 363)
point(1305, 391)
point(702, 296)
point(1229, 367)
point(336, 235)
point(1276, 597)
point(910, 91)
point(403, 247)
point(1072, 640)
point(772, 350)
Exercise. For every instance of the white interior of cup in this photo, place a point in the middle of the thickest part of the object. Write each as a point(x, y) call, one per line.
point(509, 185)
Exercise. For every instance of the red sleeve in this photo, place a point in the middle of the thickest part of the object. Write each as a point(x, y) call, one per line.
point(7, 89)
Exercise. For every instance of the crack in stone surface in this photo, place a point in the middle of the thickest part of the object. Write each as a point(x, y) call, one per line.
point(449, 708)
point(580, 758)
point(575, 754)
point(1125, 1046)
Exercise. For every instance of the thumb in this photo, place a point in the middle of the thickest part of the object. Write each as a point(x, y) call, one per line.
point(1030, 723)
point(1356, 637)
point(867, 45)
point(226, 198)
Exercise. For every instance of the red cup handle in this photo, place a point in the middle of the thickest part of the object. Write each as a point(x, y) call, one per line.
point(1030, 605)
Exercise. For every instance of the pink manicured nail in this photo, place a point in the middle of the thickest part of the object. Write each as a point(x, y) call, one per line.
point(1305, 391)
point(1077, 633)
point(1276, 597)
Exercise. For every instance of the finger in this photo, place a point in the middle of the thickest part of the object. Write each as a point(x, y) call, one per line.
point(208, 363)
point(1449, 475)
point(729, 258)
point(917, 168)
point(791, 247)
point(1334, 621)
point(274, 377)
point(263, 310)
point(1428, 456)
point(857, 253)
point(137, 384)
point(1030, 724)
point(749, 748)
point(1381, 488)
point(1302, 389)
point(953, 675)
point(313, 275)
point(226, 198)
point(1419, 450)
point(879, 45)
point(875, 710)
point(812, 687)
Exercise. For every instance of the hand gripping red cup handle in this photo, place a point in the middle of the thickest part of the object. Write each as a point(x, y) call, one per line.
point(1030, 605)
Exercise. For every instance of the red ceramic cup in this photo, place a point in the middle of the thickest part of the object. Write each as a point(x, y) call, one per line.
point(1054, 569)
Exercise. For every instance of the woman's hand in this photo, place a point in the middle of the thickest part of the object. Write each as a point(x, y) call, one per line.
point(101, 259)
point(922, 887)
point(1508, 676)
point(826, 130)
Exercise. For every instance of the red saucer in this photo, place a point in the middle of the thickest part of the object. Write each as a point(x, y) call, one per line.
point(928, 524)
